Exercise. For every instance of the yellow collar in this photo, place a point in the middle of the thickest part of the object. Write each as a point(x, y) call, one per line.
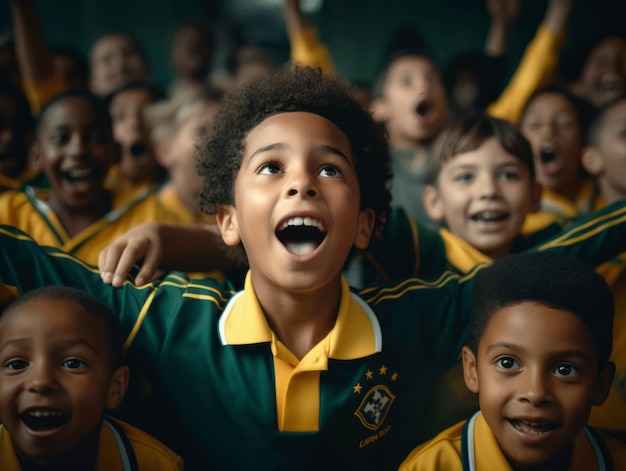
point(243, 323)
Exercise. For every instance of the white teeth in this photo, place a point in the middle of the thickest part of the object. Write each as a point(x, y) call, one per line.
point(307, 221)
point(44, 413)
point(80, 172)
point(532, 428)
point(301, 248)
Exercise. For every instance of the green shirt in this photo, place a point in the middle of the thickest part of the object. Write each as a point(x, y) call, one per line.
point(354, 402)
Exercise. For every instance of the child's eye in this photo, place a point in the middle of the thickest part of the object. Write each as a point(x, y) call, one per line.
point(565, 369)
point(532, 125)
point(565, 124)
point(73, 363)
point(464, 177)
point(509, 176)
point(16, 365)
point(507, 363)
point(269, 168)
point(59, 139)
point(330, 171)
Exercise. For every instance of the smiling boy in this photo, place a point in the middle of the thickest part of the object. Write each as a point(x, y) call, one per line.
point(537, 355)
point(295, 371)
point(60, 351)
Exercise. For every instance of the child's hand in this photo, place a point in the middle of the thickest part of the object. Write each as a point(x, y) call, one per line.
point(557, 15)
point(504, 12)
point(140, 244)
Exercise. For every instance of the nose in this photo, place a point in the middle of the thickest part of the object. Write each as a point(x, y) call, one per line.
point(536, 388)
point(488, 187)
point(547, 130)
point(77, 145)
point(41, 378)
point(301, 184)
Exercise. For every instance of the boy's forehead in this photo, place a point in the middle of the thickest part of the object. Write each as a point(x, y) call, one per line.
point(287, 123)
point(412, 64)
point(518, 323)
point(112, 43)
point(72, 109)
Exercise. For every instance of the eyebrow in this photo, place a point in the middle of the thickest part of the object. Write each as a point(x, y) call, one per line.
point(281, 146)
point(66, 343)
point(11, 342)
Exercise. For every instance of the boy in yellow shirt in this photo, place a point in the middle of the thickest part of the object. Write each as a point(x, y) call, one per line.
point(537, 355)
point(61, 369)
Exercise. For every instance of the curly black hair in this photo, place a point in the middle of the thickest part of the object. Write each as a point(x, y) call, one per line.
point(291, 89)
point(551, 280)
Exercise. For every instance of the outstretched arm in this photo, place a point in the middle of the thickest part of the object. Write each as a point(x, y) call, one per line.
point(157, 247)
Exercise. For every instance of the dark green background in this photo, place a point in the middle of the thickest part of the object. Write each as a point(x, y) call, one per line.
point(357, 32)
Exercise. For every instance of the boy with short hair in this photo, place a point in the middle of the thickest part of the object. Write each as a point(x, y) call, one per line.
point(537, 355)
point(80, 213)
point(60, 351)
point(295, 371)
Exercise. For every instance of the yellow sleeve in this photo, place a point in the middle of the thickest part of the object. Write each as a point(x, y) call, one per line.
point(442, 452)
point(306, 49)
point(534, 70)
point(39, 93)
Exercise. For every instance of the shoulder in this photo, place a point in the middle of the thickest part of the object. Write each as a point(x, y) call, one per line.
point(151, 454)
point(616, 449)
point(442, 452)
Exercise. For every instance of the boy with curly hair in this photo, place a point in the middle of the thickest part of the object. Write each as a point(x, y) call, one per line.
point(295, 371)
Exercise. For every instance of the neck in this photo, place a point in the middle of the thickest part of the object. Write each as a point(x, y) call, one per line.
point(81, 457)
point(187, 194)
point(300, 320)
point(75, 220)
point(609, 193)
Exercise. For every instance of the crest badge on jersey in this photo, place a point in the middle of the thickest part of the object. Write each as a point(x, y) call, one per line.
point(378, 399)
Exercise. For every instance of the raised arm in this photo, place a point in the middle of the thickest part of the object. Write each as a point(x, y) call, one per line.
point(306, 48)
point(538, 63)
point(33, 55)
point(503, 14)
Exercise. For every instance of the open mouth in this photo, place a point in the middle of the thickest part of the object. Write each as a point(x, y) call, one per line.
point(423, 107)
point(610, 83)
point(489, 216)
point(80, 174)
point(532, 428)
point(138, 149)
point(547, 156)
point(44, 419)
point(301, 235)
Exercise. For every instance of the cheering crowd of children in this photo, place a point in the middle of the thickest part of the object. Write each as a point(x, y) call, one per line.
point(269, 274)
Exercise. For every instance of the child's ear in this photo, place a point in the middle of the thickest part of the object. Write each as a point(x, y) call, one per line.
point(34, 160)
point(378, 110)
point(117, 387)
point(535, 197)
point(162, 152)
point(470, 374)
point(603, 386)
point(227, 221)
point(592, 161)
point(365, 223)
point(432, 203)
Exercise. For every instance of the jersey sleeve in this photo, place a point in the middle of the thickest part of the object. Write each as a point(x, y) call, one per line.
point(148, 314)
point(595, 238)
point(534, 70)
